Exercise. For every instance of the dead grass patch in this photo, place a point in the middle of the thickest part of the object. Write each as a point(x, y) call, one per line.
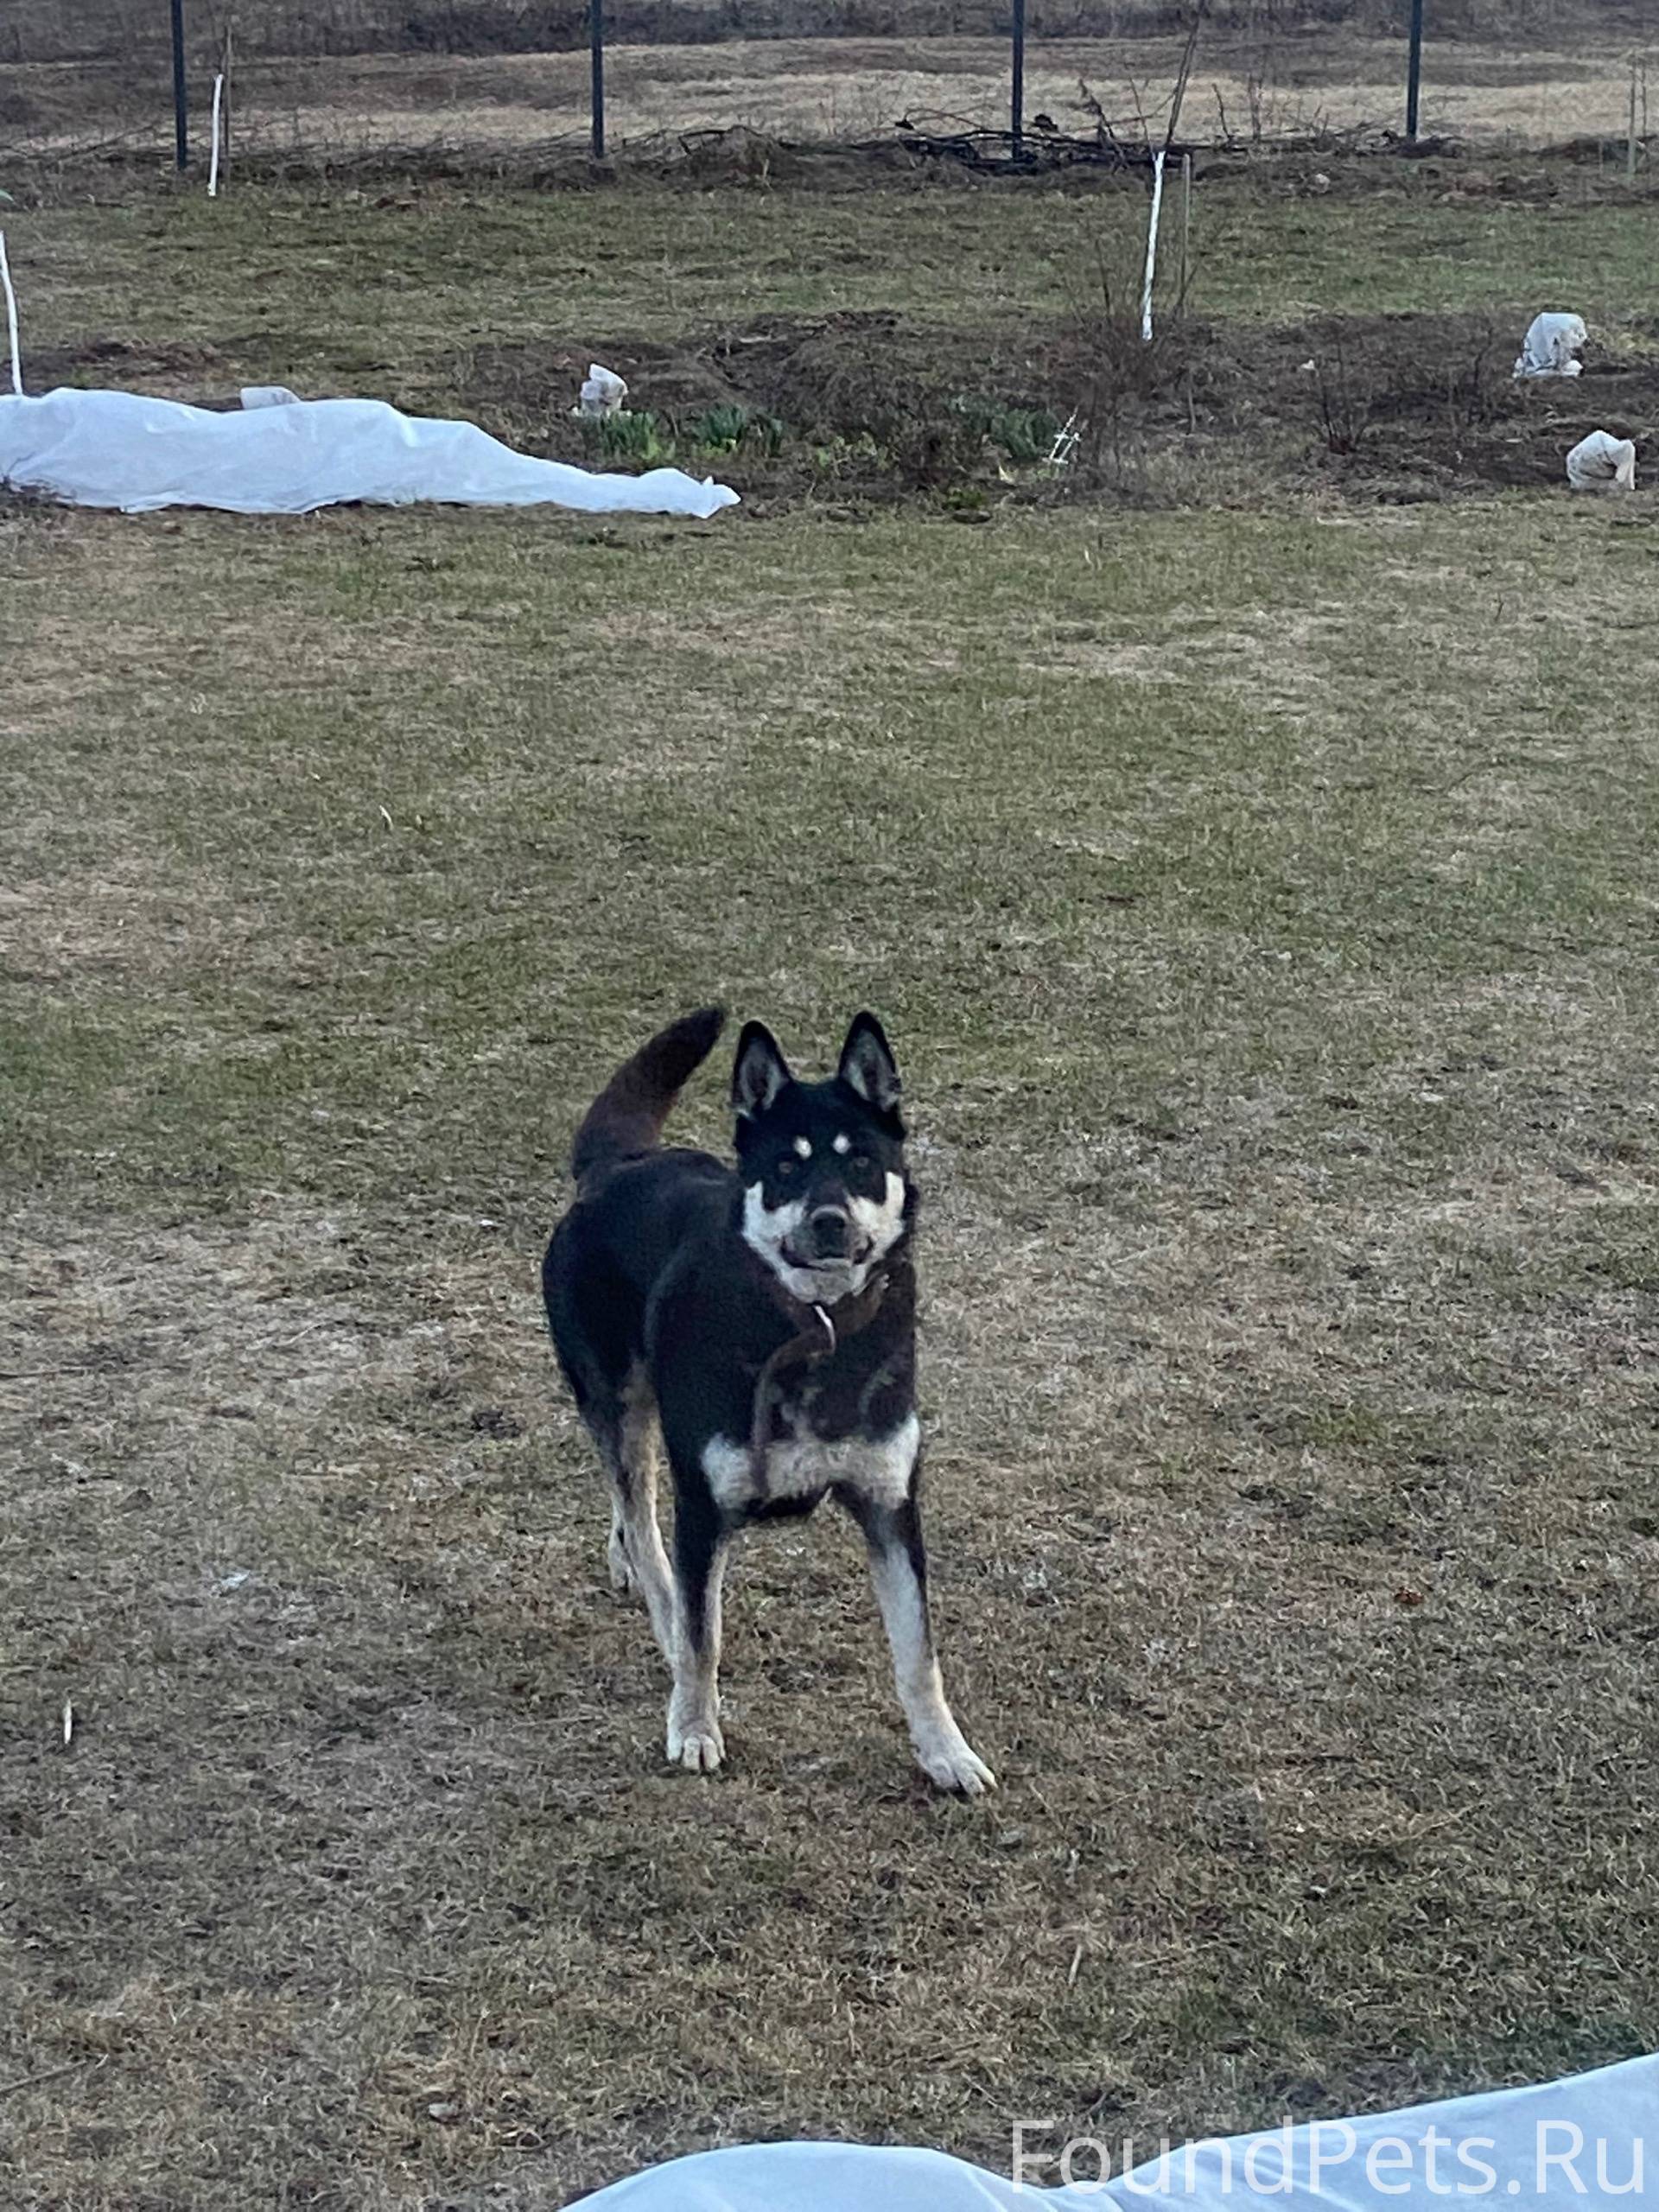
point(1282, 1061)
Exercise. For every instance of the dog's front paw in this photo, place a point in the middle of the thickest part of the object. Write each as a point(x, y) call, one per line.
point(695, 1742)
point(951, 1762)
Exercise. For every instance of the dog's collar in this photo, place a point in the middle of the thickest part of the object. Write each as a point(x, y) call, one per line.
point(818, 1331)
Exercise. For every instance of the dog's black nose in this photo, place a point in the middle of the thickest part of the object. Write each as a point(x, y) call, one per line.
point(831, 1233)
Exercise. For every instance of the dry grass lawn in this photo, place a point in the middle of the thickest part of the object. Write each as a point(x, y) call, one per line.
point(1262, 904)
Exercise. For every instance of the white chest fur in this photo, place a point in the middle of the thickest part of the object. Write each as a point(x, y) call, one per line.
point(802, 1466)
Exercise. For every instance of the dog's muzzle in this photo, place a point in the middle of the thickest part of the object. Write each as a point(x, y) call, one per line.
point(828, 1234)
point(828, 1253)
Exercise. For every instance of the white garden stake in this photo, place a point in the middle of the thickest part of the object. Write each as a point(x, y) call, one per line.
point(1066, 442)
point(1629, 143)
point(212, 160)
point(1152, 245)
point(11, 320)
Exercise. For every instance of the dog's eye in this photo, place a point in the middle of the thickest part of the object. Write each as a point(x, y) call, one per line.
point(787, 1169)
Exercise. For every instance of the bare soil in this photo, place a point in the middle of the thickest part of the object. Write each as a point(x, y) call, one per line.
point(1365, 407)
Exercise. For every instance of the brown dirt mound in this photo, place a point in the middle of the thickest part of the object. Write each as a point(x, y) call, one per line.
point(173, 371)
point(1375, 408)
point(1368, 403)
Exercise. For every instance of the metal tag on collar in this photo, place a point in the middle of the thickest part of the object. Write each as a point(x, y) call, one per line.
point(829, 1328)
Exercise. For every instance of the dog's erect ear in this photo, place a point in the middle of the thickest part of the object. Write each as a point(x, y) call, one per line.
point(761, 1072)
point(867, 1065)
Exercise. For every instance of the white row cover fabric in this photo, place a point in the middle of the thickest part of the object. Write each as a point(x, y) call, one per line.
point(1589, 2144)
point(1552, 346)
point(120, 449)
point(1602, 462)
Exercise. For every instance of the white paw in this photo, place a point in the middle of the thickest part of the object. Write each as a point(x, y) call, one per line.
point(694, 1743)
point(951, 1762)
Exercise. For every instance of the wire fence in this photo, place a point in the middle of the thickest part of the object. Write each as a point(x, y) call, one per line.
point(500, 81)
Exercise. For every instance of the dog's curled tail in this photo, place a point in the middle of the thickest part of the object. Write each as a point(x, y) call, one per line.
point(627, 1117)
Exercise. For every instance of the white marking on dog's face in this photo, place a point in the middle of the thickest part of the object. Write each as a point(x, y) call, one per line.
point(881, 1221)
point(844, 1144)
point(803, 1148)
point(769, 1230)
point(800, 1466)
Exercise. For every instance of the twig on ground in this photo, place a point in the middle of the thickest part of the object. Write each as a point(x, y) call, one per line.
point(52, 2074)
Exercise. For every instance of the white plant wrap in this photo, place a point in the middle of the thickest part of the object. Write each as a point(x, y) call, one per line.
point(120, 449)
point(604, 391)
point(1602, 462)
point(1589, 2144)
point(1552, 346)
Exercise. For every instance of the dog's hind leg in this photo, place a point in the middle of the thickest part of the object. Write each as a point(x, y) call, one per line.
point(638, 1559)
point(594, 1334)
point(622, 1422)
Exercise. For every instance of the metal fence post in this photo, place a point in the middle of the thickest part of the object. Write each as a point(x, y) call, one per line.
point(180, 134)
point(1017, 90)
point(1414, 68)
point(597, 59)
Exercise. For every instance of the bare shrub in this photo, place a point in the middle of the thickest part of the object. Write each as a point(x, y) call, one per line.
point(1347, 388)
point(925, 438)
point(1126, 381)
point(1410, 381)
point(1479, 389)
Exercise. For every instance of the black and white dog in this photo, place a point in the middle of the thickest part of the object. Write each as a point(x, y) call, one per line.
point(766, 1318)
